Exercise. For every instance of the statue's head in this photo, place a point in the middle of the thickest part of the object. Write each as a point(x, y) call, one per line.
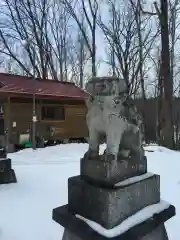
point(108, 91)
point(106, 86)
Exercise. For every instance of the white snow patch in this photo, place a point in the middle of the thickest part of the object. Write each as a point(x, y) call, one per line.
point(130, 222)
point(26, 207)
point(134, 179)
point(156, 148)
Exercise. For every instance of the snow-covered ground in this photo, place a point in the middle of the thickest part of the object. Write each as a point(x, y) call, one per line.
point(26, 207)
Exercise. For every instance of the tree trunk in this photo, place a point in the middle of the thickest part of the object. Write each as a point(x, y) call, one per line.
point(81, 73)
point(93, 55)
point(159, 107)
point(167, 118)
point(138, 22)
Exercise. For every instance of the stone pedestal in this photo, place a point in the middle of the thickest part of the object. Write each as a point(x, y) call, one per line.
point(108, 173)
point(158, 233)
point(109, 193)
point(7, 174)
point(76, 229)
point(111, 205)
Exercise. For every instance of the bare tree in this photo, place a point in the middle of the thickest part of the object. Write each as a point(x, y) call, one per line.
point(166, 78)
point(81, 50)
point(138, 18)
point(90, 9)
point(21, 21)
point(174, 26)
point(79, 56)
point(59, 31)
point(174, 23)
point(130, 40)
point(112, 46)
point(46, 23)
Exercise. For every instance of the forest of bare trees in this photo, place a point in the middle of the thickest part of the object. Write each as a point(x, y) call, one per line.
point(72, 40)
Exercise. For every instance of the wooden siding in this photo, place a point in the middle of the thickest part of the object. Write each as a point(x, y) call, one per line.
point(74, 125)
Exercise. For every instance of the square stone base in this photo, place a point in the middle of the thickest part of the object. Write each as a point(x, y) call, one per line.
point(76, 229)
point(108, 173)
point(8, 177)
point(5, 164)
point(110, 206)
point(158, 233)
point(7, 174)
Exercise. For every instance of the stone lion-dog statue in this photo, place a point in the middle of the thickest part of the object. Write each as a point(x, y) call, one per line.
point(112, 117)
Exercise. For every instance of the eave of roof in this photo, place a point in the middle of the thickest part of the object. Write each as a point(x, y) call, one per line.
point(40, 96)
point(14, 85)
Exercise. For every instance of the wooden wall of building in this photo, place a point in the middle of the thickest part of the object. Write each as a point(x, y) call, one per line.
point(20, 114)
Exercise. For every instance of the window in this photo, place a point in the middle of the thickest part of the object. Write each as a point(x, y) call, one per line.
point(53, 113)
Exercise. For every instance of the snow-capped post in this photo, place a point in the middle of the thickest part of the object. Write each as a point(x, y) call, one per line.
point(26, 43)
point(7, 174)
point(114, 196)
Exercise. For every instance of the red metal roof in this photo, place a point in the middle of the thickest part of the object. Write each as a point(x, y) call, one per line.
point(22, 86)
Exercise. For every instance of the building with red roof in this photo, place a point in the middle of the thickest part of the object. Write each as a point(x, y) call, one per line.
point(22, 86)
point(60, 110)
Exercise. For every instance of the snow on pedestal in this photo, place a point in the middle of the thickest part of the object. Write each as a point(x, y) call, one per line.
point(130, 222)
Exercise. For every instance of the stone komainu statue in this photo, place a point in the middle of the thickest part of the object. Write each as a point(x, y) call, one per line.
point(112, 116)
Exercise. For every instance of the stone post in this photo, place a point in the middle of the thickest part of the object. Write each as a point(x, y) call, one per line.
point(7, 174)
point(114, 191)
